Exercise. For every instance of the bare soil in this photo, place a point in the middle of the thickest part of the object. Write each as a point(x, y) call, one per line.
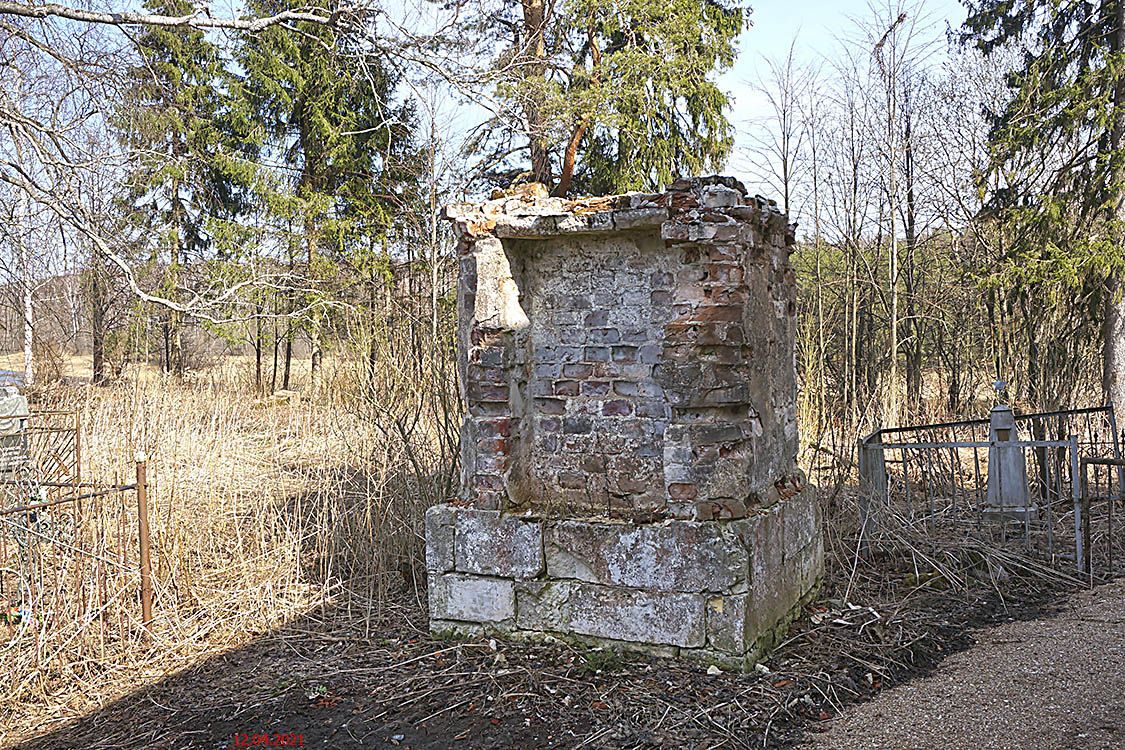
point(1044, 684)
point(340, 686)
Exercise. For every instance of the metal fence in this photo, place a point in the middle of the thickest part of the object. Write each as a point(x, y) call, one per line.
point(936, 476)
point(74, 555)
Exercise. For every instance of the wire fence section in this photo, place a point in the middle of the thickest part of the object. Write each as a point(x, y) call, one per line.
point(74, 568)
point(954, 478)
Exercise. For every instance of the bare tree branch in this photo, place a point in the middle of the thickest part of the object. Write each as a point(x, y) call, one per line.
point(201, 19)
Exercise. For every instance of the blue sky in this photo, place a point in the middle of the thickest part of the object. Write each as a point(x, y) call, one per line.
point(820, 27)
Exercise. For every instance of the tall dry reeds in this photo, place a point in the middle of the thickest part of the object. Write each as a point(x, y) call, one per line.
point(262, 510)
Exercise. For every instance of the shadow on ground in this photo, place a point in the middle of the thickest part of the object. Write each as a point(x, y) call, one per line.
point(340, 690)
point(333, 687)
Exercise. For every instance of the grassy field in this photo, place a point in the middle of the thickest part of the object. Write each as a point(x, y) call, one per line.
point(262, 512)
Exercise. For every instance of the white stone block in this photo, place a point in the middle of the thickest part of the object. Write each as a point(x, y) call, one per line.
point(726, 624)
point(487, 542)
point(685, 556)
point(471, 598)
point(543, 606)
point(719, 196)
point(639, 616)
point(800, 514)
point(439, 538)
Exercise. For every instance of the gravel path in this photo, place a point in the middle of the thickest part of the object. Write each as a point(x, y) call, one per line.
point(1047, 684)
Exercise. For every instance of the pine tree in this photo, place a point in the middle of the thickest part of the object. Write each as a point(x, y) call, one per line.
point(1059, 185)
point(617, 95)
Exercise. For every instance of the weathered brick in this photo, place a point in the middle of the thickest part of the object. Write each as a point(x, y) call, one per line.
point(716, 433)
point(482, 374)
point(661, 279)
point(489, 356)
point(566, 388)
point(547, 371)
point(578, 302)
point(494, 445)
point(489, 481)
point(617, 408)
point(571, 481)
point(719, 313)
point(597, 353)
point(626, 388)
point(682, 491)
point(595, 387)
point(577, 370)
point(597, 319)
point(691, 274)
point(653, 409)
point(604, 335)
point(550, 406)
point(593, 464)
point(487, 392)
point(577, 425)
point(501, 427)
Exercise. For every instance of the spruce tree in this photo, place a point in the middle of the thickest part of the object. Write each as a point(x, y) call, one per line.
point(186, 174)
point(326, 110)
point(1057, 145)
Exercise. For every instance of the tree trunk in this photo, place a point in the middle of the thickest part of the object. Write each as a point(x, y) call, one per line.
point(288, 355)
point(97, 319)
point(27, 287)
point(23, 259)
point(315, 351)
point(913, 319)
point(175, 341)
point(1113, 335)
point(258, 345)
point(276, 345)
point(1113, 374)
point(373, 333)
point(534, 52)
point(435, 260)
point(1034, 388)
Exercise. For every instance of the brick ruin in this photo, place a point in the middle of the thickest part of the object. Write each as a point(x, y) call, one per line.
point(629, 448)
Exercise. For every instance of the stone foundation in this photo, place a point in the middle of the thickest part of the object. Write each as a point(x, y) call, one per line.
point(719, 591)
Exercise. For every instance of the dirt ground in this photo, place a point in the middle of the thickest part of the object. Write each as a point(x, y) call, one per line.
point(1046, 684)
point(397, 688)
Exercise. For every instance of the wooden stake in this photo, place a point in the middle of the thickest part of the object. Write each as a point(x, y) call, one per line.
point(143, 533)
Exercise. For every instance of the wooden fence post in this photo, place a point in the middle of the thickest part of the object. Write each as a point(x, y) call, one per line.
point(143, 534)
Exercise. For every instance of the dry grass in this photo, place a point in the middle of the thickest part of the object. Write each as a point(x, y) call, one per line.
point(261, 512)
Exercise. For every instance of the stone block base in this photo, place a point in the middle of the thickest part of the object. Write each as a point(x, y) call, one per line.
point(721, 591)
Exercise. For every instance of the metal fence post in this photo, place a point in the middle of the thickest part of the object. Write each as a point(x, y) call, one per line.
point(143, 534)
point(1077, 490)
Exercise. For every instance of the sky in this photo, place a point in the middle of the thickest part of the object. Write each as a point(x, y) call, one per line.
point(819, 28)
